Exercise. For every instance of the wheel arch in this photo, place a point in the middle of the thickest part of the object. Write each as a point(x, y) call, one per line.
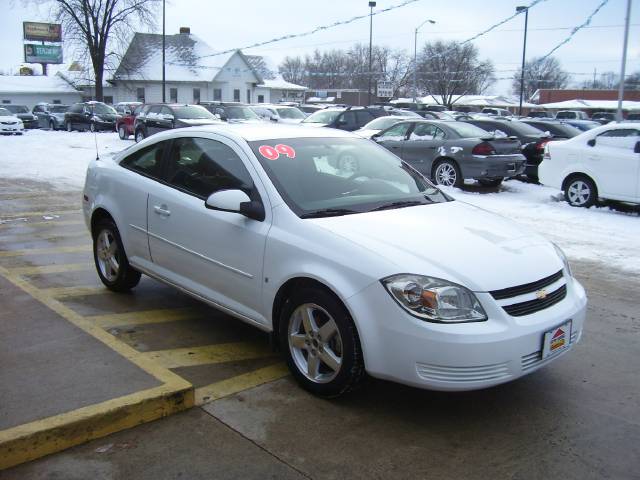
point(577, 174)
point(441, 159)
point(99, 214)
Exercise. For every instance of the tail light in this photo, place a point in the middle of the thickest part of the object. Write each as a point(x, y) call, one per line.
point(540, 146)
point(483, 148)
point(547, 155)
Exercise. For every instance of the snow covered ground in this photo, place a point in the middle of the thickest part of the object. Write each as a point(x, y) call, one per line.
point(597, 234)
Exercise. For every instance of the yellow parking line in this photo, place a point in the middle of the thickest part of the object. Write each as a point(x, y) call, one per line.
point(66, 292)
point(208, 354)
point(43, 223)
point(45, 250)
point(44, 269)
point(144, 317)
point(240, 383)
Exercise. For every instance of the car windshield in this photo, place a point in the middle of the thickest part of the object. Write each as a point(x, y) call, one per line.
point(102, 108)
point(192, 112)
point(240, 113)
point(558, 129)
point(320, 177)
point(5, 113)
point(382, 123)
point(17, 108)
point(58, 108)
point(466, 130)
point(290, 113)
point(524, 129)
point(322, 116)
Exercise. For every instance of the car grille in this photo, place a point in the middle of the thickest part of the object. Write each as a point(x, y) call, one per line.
point(9, 123)
point(478, 373)
point(534, 305)
point(535, 360)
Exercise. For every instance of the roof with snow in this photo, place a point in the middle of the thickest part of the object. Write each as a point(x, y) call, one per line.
point(34, 84)
point(188, 58)
point(268, 71)
point(499, 101)
point(592, 104)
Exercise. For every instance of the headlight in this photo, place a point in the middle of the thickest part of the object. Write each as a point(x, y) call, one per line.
point(564, 259)
point(434, 300)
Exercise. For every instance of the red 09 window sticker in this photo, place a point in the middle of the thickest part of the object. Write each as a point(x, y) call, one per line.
point(273, 153)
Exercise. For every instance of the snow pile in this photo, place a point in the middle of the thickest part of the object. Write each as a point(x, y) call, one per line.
point(595, 234)
point(60, 158)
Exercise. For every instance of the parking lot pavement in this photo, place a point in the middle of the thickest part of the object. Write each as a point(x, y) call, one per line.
point(577, 418)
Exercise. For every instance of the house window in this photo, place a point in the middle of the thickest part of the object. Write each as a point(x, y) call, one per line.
point(57, 102)
point(140, 94)
point(108, 99)
point(260, 98)
point(173, 95)
point(248, 95)
point(236, 95)
point(217, 94)
point(196, 95)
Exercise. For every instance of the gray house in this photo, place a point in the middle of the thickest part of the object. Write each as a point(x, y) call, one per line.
point(195, 72)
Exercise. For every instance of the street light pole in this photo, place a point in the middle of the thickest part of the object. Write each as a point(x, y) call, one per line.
point(415, 59)
point(524, 53)
point(371, 5)
point(624, 63)
point(164, 89)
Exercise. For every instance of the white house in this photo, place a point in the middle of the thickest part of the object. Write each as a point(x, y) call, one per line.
point(30, 90)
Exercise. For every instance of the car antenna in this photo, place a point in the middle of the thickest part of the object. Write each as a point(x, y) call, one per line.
point(95, 138)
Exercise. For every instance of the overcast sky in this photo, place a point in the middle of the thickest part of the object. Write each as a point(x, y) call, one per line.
point(228, 24)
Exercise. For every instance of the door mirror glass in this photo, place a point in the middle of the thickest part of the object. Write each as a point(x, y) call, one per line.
point(592, 142)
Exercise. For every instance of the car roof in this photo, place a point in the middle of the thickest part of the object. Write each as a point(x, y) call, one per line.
point(254, 132)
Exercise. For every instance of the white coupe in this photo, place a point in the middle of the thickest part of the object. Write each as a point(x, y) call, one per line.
point(600, 163)
point(370, 269)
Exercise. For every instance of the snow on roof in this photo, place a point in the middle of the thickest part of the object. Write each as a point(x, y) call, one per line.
point(470, 100)
point(281, 84)
point(188, 58)
point(271, 77)
point(34, 84)
point(577, 104)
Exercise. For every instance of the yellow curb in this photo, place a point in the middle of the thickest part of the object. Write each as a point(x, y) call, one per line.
point(209, 354)
point(47, 269)
point(45, 250)
point(144, 317)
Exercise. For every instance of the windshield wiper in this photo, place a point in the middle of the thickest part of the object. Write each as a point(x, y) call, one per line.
point(399, 204)
point(328, 212)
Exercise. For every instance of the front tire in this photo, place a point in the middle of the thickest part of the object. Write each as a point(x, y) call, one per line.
point(580, 191)
point(139, 136)
point(52, 125)
point(321, 343)
point(93, 127)
point(68, 126)
point(122, 133)
point(447, 173)
point(111, 260)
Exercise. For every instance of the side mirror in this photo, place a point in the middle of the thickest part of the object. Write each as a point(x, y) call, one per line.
point(127, 111)
point(273, 118)
point(235, 201)
point(375, 137)
point(637, 147)
point(592, 142)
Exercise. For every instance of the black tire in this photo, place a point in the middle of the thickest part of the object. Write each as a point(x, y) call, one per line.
point(68, 127)
point(140, 135)
point(351, 370)
point(490, 183)
point(93, 128)
point(52, 125)
point(580, 191)
point(453, 170)
point(122, 133)
point(126, 276)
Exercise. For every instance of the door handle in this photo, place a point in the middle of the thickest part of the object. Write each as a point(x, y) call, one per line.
point(162, 210)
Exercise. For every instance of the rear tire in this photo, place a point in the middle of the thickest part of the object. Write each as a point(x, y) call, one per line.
point(320, 343)
point(52, 125)
point(139, 136)
point(68, 126)
point(111, 260)
point(93, 127)
point(122, 133)
point(447, 173)
point(580, 191)
point(490, 183)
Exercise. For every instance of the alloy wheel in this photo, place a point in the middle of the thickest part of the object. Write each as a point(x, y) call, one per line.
point(107, 255)
point(315, 343)
point(578, 192)
point(446, 175)
point(139, 136)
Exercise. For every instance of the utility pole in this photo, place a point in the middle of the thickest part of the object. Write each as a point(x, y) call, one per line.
point(371, 5)
point(524, 53)
point(415, 59)
point(624, 62)
point(164, 89)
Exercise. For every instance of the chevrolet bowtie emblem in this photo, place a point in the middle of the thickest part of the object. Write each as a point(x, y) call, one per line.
point(541, 294)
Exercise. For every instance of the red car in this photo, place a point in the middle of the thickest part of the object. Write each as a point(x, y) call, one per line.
point(127, 112)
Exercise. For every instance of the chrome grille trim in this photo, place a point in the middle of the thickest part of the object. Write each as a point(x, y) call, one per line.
point(440, 373)
point(526, 288)
point(532, 306)
point(534, 359)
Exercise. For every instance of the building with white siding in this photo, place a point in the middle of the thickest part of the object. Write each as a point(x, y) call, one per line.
point(29, 90)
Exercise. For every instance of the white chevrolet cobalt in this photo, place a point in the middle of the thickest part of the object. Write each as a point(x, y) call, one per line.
point(369, 269)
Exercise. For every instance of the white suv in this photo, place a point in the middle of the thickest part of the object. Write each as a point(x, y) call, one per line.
point(600, 163)
point(367, 269)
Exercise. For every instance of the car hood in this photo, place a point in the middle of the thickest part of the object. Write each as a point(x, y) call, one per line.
point(8, 118)
point(310, 124)
point(25, 116)
point(368, 133)
point(290, 121)
point(451, 240)
point(198, 121)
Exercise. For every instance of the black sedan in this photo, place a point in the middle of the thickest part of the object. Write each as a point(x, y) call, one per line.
point(533, 140)
point(160, 117)
point(22, 112)
point(94, 116)
point(557, 130)
point(450, 152)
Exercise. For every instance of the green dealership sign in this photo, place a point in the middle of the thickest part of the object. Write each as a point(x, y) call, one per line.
point(34, 53)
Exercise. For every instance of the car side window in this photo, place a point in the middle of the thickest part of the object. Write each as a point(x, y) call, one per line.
point(154, 111)
point(625, 138)
point(423, 131)
point(146, 161)
point(166, 111)
point(397, 132)
point(201, 166)
point(348, 120)
point(363, 118)
point(119, 109)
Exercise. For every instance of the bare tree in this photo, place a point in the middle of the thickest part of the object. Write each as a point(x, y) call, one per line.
point(100, 27)
point(632, 82)
point(540, 73)
point(292, 70)
point(449, 69)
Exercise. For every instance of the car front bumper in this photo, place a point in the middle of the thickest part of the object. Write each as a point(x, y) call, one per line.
point(13, 128)
point(463, 356)
point(105, 125)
